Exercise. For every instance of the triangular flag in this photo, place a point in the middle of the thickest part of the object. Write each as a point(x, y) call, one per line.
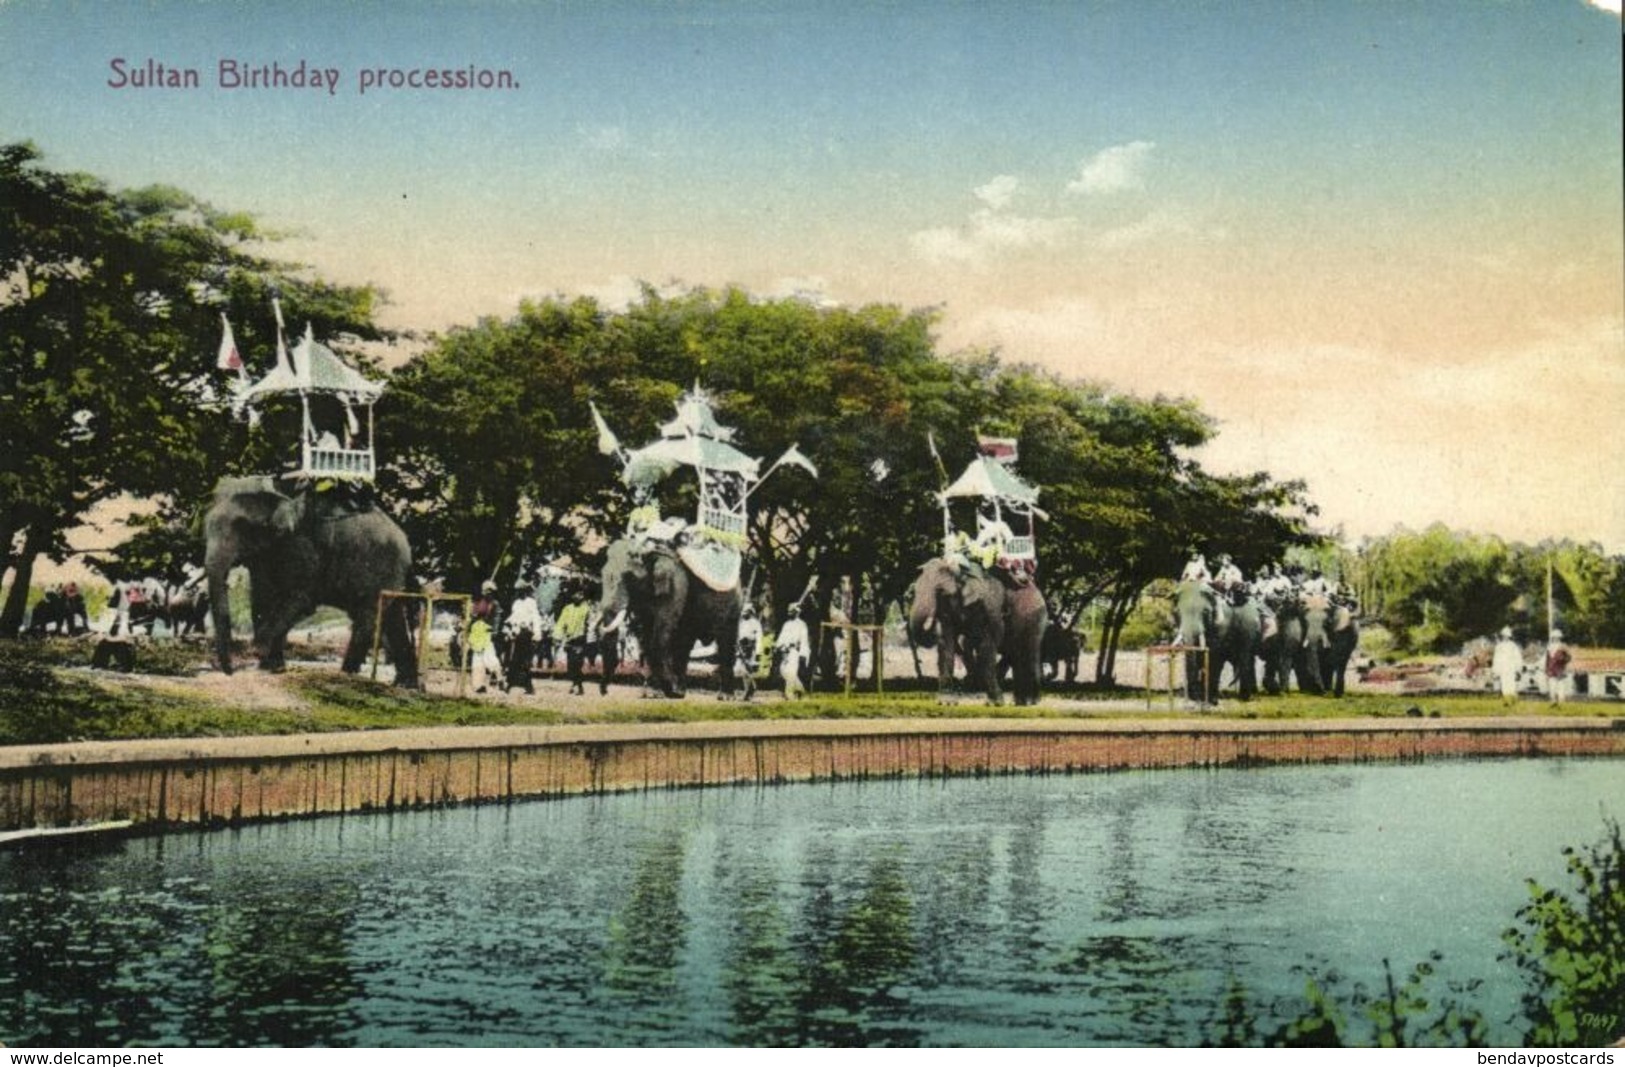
point(608, 443)
point(229, 358)
point(793, 455)
point(281, 341)
point(301, 357)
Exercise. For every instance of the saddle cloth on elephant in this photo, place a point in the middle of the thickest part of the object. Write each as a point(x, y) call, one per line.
point(717, 565)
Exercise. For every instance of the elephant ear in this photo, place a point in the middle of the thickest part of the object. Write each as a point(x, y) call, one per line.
point(288, 514)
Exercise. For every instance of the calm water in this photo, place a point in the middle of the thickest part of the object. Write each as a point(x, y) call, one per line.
point(1108, 908)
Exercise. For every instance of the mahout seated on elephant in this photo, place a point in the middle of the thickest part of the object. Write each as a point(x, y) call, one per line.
point(1228, 633)
point(671, 609)
point(980, 614)
point(305, 547)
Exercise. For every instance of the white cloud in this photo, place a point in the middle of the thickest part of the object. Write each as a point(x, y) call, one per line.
point(1113, 170)
point(1610, 6)
point(998, 192)
point(987, 233)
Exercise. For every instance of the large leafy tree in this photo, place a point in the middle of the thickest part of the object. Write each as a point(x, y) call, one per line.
point(109, 313)
point(492, 451)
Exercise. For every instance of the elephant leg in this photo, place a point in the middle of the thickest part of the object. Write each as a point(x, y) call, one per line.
point(609, 649)
point(398, 639)
point(945, 663)
point(660, 653)
point(1246, 679)
point(682, 650)
point(361, 634)
point(220, 608)
point(1027, 681)
point(1309, 670)
point(277, 619)
point(987, 666)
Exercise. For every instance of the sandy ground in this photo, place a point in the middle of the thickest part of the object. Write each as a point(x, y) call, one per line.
point(320, 650)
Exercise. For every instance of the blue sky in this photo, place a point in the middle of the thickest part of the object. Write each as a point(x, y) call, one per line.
point(1380, 241)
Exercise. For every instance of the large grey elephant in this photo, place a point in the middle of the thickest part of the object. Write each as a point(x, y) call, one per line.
point(305, 548)
point(1281, 648)
point(669, 609)
point(1230, 633)
point(980, 614)
point(1330, 634)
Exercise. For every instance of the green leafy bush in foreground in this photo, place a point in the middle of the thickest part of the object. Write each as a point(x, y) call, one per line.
point(1572, 950)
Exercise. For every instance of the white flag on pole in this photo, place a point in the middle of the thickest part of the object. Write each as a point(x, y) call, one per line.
point(281, 341)
point(229, 358)
point(608, 443)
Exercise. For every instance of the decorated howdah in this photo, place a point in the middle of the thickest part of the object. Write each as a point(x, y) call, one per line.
point(1006, 511)
point(333, 444)
point(713, 545)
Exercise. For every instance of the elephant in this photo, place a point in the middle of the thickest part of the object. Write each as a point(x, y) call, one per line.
point(188, 611)
point(1229, 632)
point(303, 548)
point(61, 611)
point(1281, 648)
point(981, 614)
point(669, 608)
point(1330, 635)
point(1062, 647)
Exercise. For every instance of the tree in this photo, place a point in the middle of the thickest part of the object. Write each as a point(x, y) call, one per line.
point(108, 314)
point(490, 448)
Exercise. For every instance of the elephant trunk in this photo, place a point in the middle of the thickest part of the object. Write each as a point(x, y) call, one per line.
point(922, 624)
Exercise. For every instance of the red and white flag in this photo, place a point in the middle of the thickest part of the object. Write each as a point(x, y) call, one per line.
point(229, 358)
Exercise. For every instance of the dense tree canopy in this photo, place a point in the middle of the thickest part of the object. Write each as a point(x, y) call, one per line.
point(1438, 589)
point(493, 459)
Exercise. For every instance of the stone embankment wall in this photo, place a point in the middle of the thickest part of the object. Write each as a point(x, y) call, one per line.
point(224, 781)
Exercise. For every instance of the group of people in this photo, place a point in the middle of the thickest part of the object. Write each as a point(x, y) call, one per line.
point(1274, 584)
point(505, 644)
point(509, 644)
point(1507, 664)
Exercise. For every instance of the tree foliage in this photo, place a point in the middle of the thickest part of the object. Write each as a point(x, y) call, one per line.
point(112, 305)
point(1439, 588)
point(1571, 950)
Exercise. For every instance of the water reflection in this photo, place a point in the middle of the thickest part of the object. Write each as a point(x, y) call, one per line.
point(1113, 909)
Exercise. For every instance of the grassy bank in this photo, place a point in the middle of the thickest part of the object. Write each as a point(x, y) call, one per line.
point(46, 696)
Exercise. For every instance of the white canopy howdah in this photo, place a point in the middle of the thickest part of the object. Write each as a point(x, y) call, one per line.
point(726, 479)
point(648, 465)
point(314, 369)
point(991, 480)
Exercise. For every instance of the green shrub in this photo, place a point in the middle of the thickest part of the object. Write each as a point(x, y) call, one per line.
point(1572, 951)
